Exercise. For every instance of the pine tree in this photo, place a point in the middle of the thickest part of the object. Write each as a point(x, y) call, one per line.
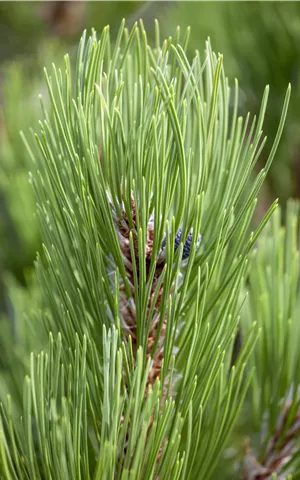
point(144, 179)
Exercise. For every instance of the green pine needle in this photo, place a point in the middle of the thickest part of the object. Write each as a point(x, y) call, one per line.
point(137, 379)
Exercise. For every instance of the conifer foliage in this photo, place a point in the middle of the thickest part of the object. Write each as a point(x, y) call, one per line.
point(274, 397)
point(145, 187)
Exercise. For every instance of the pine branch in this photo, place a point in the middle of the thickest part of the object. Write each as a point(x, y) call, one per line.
point(137, 154)
point(156, 329)
point(280, 450)
point(274, 303)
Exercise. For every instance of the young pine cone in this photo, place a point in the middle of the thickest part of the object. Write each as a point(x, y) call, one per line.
point(157, 329)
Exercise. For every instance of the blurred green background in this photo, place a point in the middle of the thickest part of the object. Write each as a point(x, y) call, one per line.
point(260, 42)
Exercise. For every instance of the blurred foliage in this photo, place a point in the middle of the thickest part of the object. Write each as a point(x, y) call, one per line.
point(18, 227)
point(273, 301)
point(23, 25)
point(21, 333)
point(271, 54)
point(19, 233)
point(19, 28)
